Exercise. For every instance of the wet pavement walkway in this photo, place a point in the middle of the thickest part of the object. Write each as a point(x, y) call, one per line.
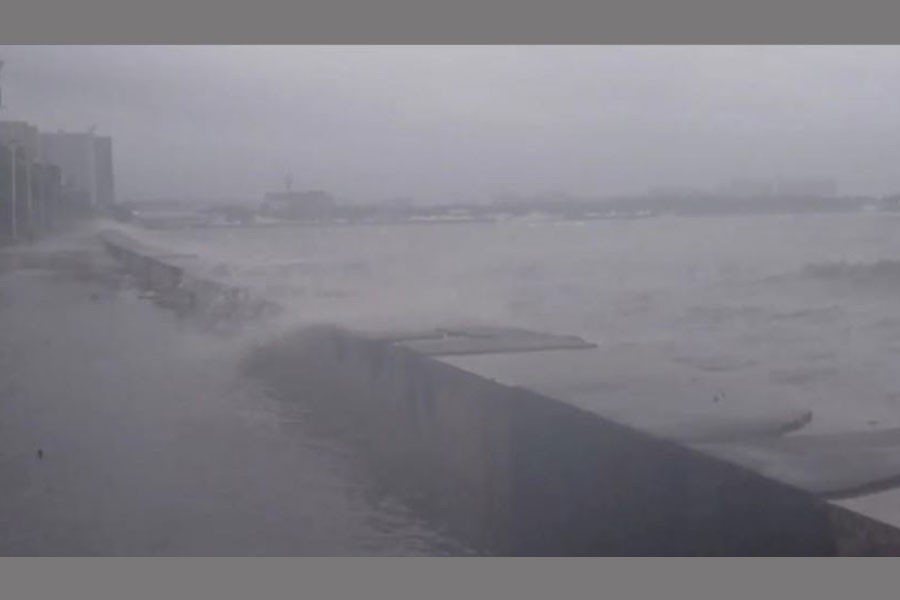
point(125, 430)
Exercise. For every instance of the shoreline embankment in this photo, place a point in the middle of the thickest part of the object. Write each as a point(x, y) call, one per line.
point(514, 472)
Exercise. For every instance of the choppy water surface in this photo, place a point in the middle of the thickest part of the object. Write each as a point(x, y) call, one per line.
point(802, 309)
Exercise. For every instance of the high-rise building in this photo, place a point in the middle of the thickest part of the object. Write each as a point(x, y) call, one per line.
point(86, 165)
point(19, 144)
point(30, 198)
point(22, 135)
point(104, 169)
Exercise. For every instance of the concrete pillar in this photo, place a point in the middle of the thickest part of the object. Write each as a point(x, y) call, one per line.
point(38, 199)
point(5, 192)
point(13, 194)
point(30, 229)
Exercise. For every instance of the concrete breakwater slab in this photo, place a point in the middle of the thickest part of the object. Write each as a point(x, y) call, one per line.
point(480, 339)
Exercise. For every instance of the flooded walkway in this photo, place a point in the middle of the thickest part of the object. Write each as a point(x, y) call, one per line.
point(126, 431)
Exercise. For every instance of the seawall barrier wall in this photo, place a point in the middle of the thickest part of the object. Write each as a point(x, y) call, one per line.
point(513, 472)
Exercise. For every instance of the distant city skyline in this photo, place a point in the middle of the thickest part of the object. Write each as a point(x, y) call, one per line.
point(468, 123)
point(85, 160)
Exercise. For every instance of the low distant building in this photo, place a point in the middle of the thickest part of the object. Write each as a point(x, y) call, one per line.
point(807, 188)
point(676, 192)
point(890, 203)
point(313, 204)
point(780, 188)
point(749, 188)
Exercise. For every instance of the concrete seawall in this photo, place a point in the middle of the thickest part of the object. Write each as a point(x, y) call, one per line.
point(179, 282)
point(518, 473)
point(514, 472)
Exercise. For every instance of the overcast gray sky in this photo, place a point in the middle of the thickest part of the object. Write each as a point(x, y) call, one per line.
point(466, 123)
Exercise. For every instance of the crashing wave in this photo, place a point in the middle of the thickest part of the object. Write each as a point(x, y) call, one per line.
point(884, 273)
point(881, 272)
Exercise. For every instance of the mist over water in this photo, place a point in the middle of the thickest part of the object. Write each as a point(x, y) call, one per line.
point(132, 420)
point(760, 312)
point(793, 311)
